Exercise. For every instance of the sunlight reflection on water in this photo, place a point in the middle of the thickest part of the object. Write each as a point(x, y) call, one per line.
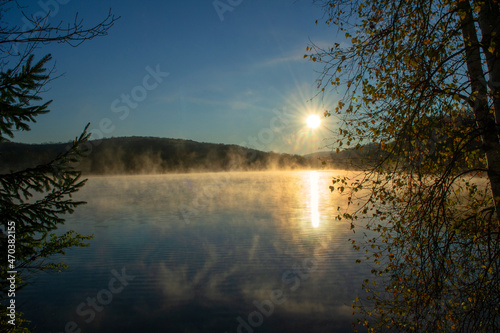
point(248, 234)
point(314, 199)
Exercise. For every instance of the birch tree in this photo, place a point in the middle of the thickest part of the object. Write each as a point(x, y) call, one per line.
point(421, 81)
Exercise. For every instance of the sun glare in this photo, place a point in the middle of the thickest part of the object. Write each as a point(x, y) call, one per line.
point(313, 121)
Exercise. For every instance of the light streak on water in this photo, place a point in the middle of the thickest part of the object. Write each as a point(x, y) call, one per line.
point(314, 199)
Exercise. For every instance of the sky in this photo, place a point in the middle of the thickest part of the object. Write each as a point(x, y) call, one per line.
point(224, 71)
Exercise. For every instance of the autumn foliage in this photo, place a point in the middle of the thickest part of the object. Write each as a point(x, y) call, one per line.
point(422, 80)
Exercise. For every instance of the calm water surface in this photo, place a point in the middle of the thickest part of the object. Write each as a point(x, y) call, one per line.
point(221, 252)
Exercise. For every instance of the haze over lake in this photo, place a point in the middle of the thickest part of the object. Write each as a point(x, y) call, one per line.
point(209, 252)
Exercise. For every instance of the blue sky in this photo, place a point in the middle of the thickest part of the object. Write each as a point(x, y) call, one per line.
point(220, 81)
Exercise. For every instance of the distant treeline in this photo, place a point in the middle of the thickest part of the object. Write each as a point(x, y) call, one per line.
point(144, 155)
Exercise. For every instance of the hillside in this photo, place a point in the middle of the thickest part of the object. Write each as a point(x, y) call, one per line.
point(348, 159)
point(139, 155)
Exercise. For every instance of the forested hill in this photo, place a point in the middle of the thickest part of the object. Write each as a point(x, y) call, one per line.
point(135, 155)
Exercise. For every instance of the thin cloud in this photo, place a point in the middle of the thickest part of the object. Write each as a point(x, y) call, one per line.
point(293, 56)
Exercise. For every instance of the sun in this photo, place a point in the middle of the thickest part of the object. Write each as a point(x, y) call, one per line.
point(313, 121)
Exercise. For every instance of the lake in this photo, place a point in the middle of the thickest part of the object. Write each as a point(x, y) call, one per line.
point(213, 252)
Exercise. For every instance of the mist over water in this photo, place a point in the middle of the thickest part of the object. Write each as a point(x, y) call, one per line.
point(208, 252)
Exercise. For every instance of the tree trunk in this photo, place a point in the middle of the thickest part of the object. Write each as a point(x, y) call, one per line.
point(489, 23)
point(485, 118)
